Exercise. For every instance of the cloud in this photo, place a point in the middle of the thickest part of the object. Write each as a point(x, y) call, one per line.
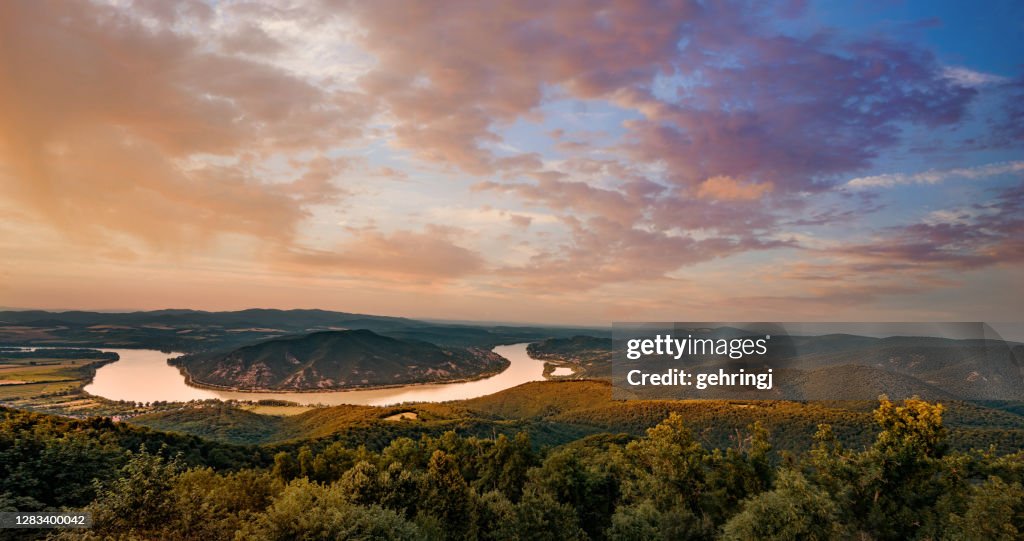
point(727, 188)
point(520, 220)
point(951, 253)
point(575, 196)
point(1010, 126)
point(851, 207)
point(793, 112)
point(935, 176)
point(682, 133)
point(251, 39)
point(450, 77)
point(966, 238)
point(785, 115)
point(603, 252)
point(830, 298)
point(316, 185)
point(114, 125)
point(971, 78)
point(427, 256)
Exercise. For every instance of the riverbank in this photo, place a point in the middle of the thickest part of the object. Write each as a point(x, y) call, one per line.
point(147, 376)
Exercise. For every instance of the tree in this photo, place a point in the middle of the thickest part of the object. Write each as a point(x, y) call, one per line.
point(900, 479)
point(209, 505)
point(586, 477)
point(399, 489)
point(446, 495)
point(361, 484)
point(331, 463)
point(737, 473)
point(308, 510)
point(643, 520)
point(496, 517)
point(140, 501)
point(995, 511)
point(505, 464)
point(794, 510)
point(667, 466)
point(306, 466)
point(665, 490)
point(539, 516)
point(286, 467)
point(910, 432)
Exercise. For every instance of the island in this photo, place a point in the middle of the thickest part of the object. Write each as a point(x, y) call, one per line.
point(337, 360)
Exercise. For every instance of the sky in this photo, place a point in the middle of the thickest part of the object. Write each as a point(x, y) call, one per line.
point(571, 162)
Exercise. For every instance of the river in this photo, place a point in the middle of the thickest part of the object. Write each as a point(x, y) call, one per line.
point(143, 375)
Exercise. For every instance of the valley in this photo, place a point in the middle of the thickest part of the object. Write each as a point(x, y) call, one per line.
point(360, 410)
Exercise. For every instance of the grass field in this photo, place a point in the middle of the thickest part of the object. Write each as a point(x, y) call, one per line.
point(31, 378)
point(279, 411)
point(42, 369)
point(10, 393)
point(50, 384)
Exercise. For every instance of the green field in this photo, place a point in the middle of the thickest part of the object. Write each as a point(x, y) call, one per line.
point(12, 393)
point(51, 381)
point(282, 411)
point(43, 369)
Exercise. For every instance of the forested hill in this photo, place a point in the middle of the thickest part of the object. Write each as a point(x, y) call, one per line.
point(332, 360)
point(835, 366)
point(558, 412)
point(589, 356)
point(904, 482)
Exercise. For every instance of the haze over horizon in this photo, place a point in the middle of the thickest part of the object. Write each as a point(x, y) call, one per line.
point(575, 163)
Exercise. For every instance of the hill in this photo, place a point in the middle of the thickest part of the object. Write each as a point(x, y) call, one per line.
point(379, 473)
point(825, 367)
point(333, 360)
point(587, 356)
point(558, 412)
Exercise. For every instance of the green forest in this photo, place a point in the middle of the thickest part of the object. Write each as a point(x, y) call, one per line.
point(139, 483)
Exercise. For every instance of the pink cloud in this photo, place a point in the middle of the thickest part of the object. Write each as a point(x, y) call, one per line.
point(966, 238)
point(602, 251)
point(728, 188)
point(108, 125)
point(427, 256)
point(762, 118)
point(158, 125)
point(450, 76)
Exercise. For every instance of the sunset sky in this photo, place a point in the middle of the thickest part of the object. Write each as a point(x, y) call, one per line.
point(554, 162)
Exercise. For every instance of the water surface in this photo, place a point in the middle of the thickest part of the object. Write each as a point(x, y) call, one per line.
point(143, 375)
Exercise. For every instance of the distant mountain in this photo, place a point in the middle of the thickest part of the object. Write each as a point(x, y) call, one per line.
point(332, 360)
point(828, 367)
point(195, 330)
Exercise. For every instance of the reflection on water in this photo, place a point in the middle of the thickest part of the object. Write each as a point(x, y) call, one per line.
point(144, 376)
